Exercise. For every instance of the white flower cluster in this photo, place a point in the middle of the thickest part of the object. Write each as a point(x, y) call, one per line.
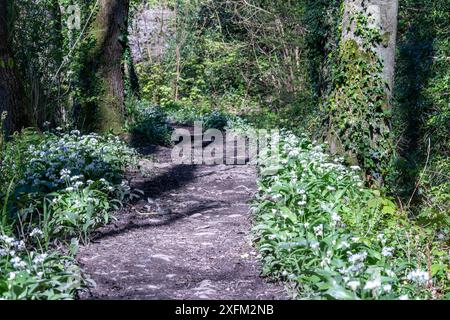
point(11, 244)
point(14, 251)
point(72, 161)
point(356, 261)
point(318, 230)
point(387, 251)
point(418, 276)
point(36, 233)
point(18, 263)
point(373, 284)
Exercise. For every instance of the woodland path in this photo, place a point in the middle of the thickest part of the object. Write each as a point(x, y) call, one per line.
point(189, 240)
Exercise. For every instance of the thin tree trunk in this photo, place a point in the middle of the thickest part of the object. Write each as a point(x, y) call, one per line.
point(177, 52)
point(12, 99)
point(56, 112)
point(160, 34)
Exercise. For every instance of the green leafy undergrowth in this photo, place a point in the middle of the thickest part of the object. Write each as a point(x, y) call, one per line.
point(30, 272)
point(57, 188)
point(149, 122)
point(319, 227)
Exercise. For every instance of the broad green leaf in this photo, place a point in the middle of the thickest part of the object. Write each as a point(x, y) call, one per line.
point(340, 293)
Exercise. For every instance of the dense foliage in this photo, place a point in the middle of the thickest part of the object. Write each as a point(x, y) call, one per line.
point(362, 213)
point(319, 228)
point(421, 112)
point(60, 187)
point(248, 61)
point(148, 122)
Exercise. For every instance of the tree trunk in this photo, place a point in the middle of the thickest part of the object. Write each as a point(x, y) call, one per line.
point(55, 110)
point(358, 124)
point(12, 99)
point(177, 54)
point(109, 31)
point(382, 15)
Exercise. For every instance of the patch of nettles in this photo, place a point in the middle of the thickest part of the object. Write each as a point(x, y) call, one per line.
point(318, 228)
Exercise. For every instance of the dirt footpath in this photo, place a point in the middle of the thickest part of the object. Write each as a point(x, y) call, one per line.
point(189, 238)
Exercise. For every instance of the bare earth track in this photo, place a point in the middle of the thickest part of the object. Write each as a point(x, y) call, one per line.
point(190, 240)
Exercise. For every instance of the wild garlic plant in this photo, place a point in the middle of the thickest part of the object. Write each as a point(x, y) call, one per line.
point(62, 187)
point(28, 271)
point(72, 161)
point(320, 228)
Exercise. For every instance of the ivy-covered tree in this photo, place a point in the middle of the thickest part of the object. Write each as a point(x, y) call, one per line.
point(359, 105)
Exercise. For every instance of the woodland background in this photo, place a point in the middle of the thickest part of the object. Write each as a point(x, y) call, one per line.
point(312, 67)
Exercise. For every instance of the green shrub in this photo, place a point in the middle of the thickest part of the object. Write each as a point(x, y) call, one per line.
point(151, 123)
point(77, 212)
point(434, 192)
point(63, 161)
point(215, 120)
point(185, 112)
point(421, 111)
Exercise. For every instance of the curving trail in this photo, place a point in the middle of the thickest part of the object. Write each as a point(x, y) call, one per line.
point(189, 240)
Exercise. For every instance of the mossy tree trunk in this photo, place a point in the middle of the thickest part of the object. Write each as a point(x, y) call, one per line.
point(359, 105)
point(105, 111)
point(12, 98)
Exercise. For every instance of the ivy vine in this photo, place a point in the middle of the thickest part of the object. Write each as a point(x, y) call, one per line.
point(358, 112)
